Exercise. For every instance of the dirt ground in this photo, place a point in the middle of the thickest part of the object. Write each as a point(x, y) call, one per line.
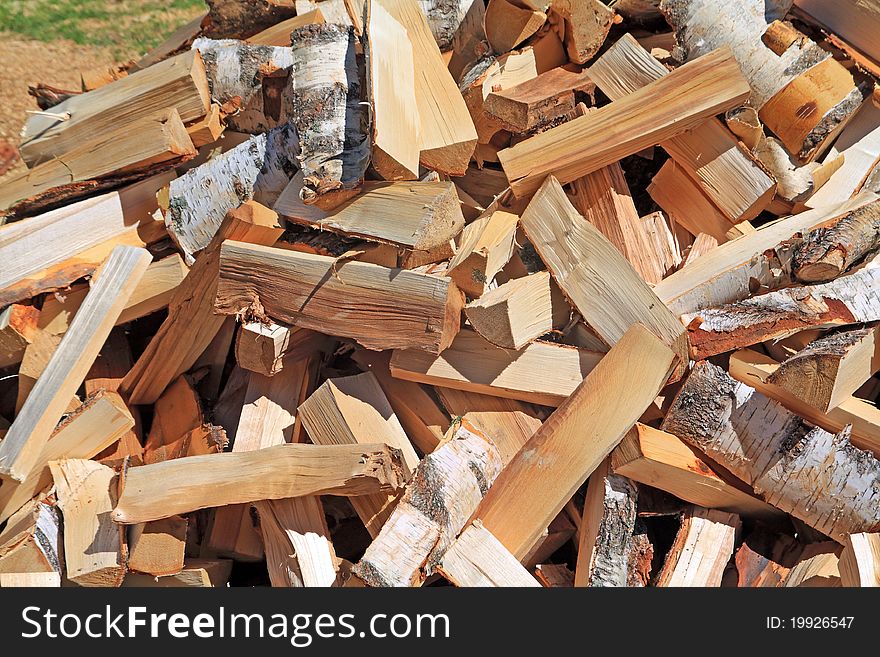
point(26, 62)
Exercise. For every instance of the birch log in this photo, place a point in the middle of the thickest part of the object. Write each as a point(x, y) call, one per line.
point(444, 18)
point(814, 475)
point(331, 122)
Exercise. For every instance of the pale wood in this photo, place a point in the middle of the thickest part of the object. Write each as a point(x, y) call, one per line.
point(515, 313)
point(191, 324)
point(18, 324)
point(261, 347)
point(30, 580)
point(597, 280)
point(69, 364)
point(485, 246)
point(818, 566)
point(586, 26)
point(777, 453)
point(860, 561)
point(659, 459)
point(665, 244)
point(208, 129)
point(344, 12)
point(855, 22)
point(384, 308)
point(52, 250)
point(200, 573)
point(157, 547)
point(94, 547)
point(767, 563)
point(31, 540)
point(680, 101)
point(177, 82)
point(702, 548)
point(34, 361)
point(477, 558)
point(553, 575)
point(444, 491)
point(541, 373)
point(392, 93)
point(447, 137)
point(508, 24)
point(535, 486)
point(469, 40)
point(150, 492)
point(701, 246)
point(279, 33)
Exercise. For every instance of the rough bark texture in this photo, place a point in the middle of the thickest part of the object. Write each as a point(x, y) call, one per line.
point(829, 251)
point(243, 18)
point(615, 540)
point(330, 119)
point(444, 19)
point(814, 475)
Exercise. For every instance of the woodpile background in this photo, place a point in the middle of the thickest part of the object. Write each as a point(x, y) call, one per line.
point(429, 292)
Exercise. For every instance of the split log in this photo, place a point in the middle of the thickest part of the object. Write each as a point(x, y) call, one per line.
point(777, 453)
point(532, 489)
point(199, 573)
point(341, 12)
point(444, 491)
point(598, 281)
point(278, 34)
point(485, 246)
point(94, 547)
point(330, 120)
point(587, 23)
point(830, 369)
point(445, 18)
point(477, 558)
point(606, 529)
point(509, 24)
point(30, 580)
point(176, 42)
point(554, 576)
point(261, 347)
point(659, 459)
point(848, 300)
point(857, 23)
point(469, 43)
point(754, 369)
point(208, 129)
point(257, 170)
point(191, 323)
point(692, 93)
point(701, 246)
point(233, 19)
point(383, 308)
point(18, 327)
point(69, 364)
point(541, 373)
point(179, 82)
point(702, 548)
point(860, 561)
point(31, 540)
point(765, 563)
point(150, 492)
point(157, 547)
point(818, 566)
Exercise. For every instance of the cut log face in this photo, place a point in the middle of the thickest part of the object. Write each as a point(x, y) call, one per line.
point(587, 24)
point(818, 566)
point(777, 453)
point(477, 558)
point(157, 548)
point(701, 550)
point(860, 561)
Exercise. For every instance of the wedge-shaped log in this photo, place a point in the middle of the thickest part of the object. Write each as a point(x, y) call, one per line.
point(828, 370)
point(157, 547)
point(509, 24)
point(485, 246)
point(848, 300)
point(574, 440)
point(279, 33)
point(541, 373)
point(671, 105)
point(777, 453)
point(478, 559)
point(27, 436)
point(94, 546)
point(31, 540)
point(724, 171)
point(702, 548)
point(150, 492)
point(177, 82)
point(18, 328)
point(817, 566)
point(197, 573)
point(598, 281)
point(380, 308)
point(587, 23)
point(860, 561)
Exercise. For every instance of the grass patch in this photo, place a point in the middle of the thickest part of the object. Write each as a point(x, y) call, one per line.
point(127, 27)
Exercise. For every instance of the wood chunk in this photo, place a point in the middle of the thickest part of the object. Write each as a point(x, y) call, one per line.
point(765, 565)
point(755, 369)
point(384, 308)
point(392, 94)
point(702, 548)
point(157, 547)
point(178, 82)
point(606, 529)
point(101, 421)
point(860, 561)
point(508, 24)
point(69, 364)
point(659, 459)
point(31, 540)
point(329, 118)
point(580, 434)
point(261, 347)
point(777, 453)
point(413, 215)
point(538, 101)
point(554, 576)
point(278, 34)
point(94, 546)
point(191, 323)
point(857, 23)
point(30, 580)
point(444, 491)
point(200, 573)
point(608, 293)
point(818, 567)
point(515, 313)
point(486, 245)
point(469, 41)
point(477, 558)
point(18, 324)
point(664, 242)
point(179, 427)
point(586, 26)
point(208, 129)
point(701, 246)
point(692, 93)
point(150, 492)
point(447, 137)
point(541, 373)
point(848, 300)
point(228, 19)
point(828, 370)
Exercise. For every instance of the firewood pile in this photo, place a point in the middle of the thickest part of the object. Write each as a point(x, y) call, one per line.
point(432, 292)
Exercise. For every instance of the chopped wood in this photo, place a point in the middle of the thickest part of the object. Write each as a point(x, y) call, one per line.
point(586, 27)
point(702, 548)
point(692, 93)
point(31, 540)
point(485, 246)
point(763, 561)
point(553, 575)
point(701, 246)
point(777, 453)
point(208, 129)
point(227, 18)
point(200, 573)
point(261, 347)
point(30, 580)
point(819, 566)
point(854, 22)
point(508, 24)
point(860, 561)
point(278, 34)
point(469, 41)
point(157, 547)
point(477, 558)
point(385, 308)
point(18, 325)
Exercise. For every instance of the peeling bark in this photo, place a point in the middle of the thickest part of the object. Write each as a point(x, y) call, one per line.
point(615, 540)
point(444, 19)
point(829, 251)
